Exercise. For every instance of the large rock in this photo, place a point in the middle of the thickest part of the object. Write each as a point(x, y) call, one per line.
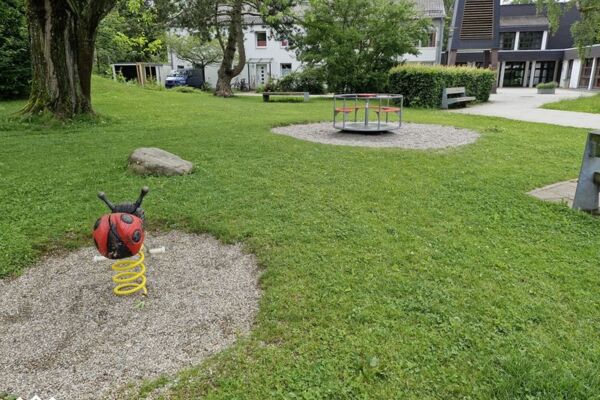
point(155, 161)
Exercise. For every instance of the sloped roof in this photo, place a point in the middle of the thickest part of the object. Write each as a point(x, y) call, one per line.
point(431, 8)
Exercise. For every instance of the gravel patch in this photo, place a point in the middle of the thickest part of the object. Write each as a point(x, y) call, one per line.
point(410, 136)
point(64, 334)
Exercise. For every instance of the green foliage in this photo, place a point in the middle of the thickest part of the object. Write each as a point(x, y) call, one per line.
point(422, 85)
point(586, 104)
point(132, 32)
point(356, 42)
point(224, 20)
point(185, 89)
point(547, 85)
point(15, 60)
point(586, 31)
point(387, 273)
point(196, 50)
point(310, 80)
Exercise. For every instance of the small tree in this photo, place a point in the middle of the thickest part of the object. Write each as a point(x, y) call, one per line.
point(15, 61)
point(193, 49)
point(356, 42)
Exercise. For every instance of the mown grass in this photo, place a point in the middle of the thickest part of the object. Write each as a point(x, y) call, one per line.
point(589, 104)
point(387, 273)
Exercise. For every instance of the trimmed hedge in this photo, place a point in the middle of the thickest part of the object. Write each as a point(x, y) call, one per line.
point(422, 85)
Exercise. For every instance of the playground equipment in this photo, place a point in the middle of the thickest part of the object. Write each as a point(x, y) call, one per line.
point(363, 104)
point(588, 185)
point(120, 235)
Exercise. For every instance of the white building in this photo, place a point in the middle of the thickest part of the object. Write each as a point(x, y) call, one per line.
point(268, 55)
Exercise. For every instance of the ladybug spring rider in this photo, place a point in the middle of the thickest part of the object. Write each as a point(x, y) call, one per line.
point(120, 234)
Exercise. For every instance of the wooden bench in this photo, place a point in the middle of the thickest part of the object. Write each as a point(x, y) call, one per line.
point(267, 95)
point(455, 95)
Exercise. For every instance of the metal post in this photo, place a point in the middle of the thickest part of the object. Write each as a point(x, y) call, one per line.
point(586, 195)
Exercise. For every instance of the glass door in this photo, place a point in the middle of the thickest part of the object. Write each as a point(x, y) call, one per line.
point(514, 73)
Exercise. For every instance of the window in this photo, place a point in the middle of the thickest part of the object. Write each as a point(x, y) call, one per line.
point(432, 39)
point(569, 72)
point(514, 73)
point(285, 69)
point(261, 39)
point(507, 40)
point(544, 72)
point(285, 42)
point(586, 73)
point(530, 40)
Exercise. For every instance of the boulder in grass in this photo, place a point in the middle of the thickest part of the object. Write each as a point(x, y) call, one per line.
point(155, 161)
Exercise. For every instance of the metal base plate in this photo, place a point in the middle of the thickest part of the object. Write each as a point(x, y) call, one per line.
point(372, 127)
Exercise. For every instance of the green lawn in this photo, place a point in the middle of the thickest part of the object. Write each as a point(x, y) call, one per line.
point(388, 274)
point(583, 104)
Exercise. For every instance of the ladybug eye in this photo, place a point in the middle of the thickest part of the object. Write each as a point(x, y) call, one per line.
point(137, 235)
point(126, 218)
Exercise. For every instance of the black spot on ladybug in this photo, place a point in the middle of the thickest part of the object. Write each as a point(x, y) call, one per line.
point(126, 218)
point(137, 235)
point(97, 224)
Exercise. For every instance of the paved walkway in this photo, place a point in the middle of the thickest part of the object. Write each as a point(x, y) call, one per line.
point(523, 104)
point(561, 192)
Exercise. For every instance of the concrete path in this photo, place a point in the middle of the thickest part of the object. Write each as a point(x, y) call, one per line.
point(561, 192)
point(523, 104)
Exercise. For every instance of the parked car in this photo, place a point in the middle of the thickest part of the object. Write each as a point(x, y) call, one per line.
point(185, 77)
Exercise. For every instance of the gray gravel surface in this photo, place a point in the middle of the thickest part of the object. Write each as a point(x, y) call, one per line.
point(64, 334)
point(410, 136)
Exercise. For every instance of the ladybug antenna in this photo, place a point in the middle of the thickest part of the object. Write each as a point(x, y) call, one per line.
point(102, 196)
point(144, 192)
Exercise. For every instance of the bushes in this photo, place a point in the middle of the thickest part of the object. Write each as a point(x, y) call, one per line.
point(15, 64)
point(309, 80)
point(422, 85)
point(548, 85)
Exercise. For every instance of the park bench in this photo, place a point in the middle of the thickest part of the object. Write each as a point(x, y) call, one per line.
point(267, 95)
point(455, 95)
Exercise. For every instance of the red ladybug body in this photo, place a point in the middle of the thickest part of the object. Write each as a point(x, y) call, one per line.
point(118, 235)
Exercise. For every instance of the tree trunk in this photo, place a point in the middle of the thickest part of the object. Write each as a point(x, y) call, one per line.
point(235, 40)
point(62, 52)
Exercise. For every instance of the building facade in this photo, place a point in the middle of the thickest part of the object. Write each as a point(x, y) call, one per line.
point(269, 56)
point(528, 52)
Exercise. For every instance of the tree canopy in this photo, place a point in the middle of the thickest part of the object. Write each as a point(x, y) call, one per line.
point(134, 31)
point(356, 42)
point(15, 62)
point(194, 49)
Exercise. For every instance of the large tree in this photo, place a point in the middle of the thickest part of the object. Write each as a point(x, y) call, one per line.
point(63, 33)
point(356, 42)
point(225, 21)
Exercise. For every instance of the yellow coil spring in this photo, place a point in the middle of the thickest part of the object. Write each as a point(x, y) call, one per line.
point(131, 275)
